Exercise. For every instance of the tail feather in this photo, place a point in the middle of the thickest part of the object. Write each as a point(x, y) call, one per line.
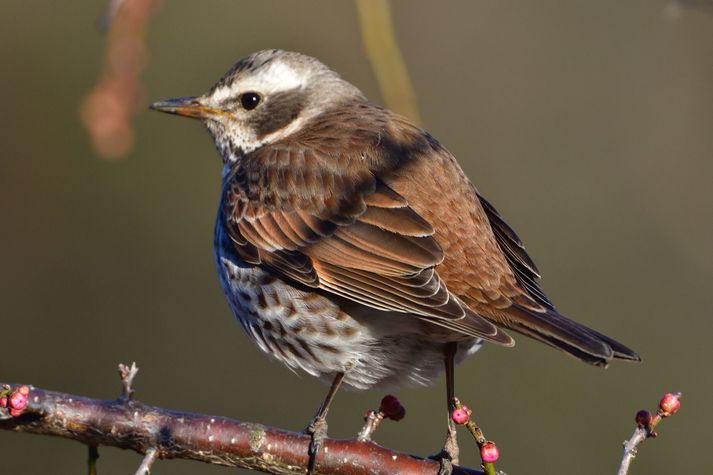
point(571, 337)
point(621, 352)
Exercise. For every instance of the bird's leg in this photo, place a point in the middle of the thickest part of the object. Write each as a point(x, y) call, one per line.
point(317, 429)
point(449, 454)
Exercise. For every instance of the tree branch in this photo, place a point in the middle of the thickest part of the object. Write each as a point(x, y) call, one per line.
point(645, 425)
point(160, 433)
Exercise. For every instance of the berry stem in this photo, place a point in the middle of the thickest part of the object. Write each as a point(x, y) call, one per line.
point(477, 433)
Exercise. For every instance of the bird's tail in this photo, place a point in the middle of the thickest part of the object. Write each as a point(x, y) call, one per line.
point(567, 335)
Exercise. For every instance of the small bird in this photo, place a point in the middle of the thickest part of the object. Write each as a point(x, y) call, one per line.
point(351, 245)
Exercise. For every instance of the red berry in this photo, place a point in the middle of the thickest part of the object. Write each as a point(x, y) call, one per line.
point(643, 418)
point(489, 452)
point(15, 412)
point(392, 408)
point(3, 401)
point(461, 415)
point(24, 390)
point(669, 404)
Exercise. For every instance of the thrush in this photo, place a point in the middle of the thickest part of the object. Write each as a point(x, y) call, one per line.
point(351, 245)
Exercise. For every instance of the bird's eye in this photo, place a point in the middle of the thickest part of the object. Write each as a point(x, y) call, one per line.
point(250, 100)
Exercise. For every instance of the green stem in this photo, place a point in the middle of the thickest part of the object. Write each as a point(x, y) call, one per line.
point(93, 456)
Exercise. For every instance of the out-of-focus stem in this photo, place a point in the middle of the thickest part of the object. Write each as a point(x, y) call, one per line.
point(383, 51)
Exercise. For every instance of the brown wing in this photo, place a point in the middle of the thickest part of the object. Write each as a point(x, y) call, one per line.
point(520, 262)
point(317, 214)
point(485, 264)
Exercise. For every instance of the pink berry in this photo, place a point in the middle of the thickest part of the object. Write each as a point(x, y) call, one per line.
point(17, 401)
point(460, 416)
point(15, 412)
point(392, 408)
point(669, 404)
point(24, 390)
point(489, 452)
point(3, 401)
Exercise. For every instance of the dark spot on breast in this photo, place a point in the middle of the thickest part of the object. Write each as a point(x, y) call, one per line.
point(276, 345)
point(281, 328)
point(291, 311)
point(328, 348)
point(289, 347)
point(278, 111)
point(308, 350)
point(261, 300)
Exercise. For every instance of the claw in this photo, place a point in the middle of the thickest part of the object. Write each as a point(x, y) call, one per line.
point(446, 467)
point(450, 447)
point(317, 430)
point(448, 456)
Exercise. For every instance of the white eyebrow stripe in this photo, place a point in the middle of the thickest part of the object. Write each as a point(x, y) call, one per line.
point(276, 77)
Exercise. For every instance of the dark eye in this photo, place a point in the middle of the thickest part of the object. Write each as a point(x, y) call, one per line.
point(250, 100)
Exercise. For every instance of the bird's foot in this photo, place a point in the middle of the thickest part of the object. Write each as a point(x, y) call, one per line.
point(317, 430)
point(448, 456)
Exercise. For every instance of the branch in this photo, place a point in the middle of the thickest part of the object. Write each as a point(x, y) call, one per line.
point(160, 433)
point(645, 425)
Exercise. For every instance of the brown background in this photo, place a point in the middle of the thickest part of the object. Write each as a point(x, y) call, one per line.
point(588, 124)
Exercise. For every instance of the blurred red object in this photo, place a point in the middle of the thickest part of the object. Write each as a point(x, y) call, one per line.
point(107, 110)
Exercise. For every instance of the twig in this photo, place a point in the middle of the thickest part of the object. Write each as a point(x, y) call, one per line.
point(147, 462)
point(390, 408)
point(645, 425)
point(127, 375)
point(486, 447)
point(371, 422)
point(210, 439)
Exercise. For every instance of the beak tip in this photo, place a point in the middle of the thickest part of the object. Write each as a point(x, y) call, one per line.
point(163, 106)
point(185, 106)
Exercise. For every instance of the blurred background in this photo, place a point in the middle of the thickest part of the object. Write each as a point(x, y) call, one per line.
point(588, 124)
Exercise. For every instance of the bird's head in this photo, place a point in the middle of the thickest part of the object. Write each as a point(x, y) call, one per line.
point(264, 98)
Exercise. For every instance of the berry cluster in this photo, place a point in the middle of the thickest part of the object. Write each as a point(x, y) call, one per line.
point(668, 405)
point(14, 400)
point(488, 450)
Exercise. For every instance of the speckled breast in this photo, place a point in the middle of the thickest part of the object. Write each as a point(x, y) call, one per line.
point(300, 328)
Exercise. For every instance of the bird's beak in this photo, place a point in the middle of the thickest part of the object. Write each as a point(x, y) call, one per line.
point(186, 106)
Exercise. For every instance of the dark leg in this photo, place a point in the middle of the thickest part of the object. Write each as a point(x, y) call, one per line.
point(317, 429)
point(450, 452)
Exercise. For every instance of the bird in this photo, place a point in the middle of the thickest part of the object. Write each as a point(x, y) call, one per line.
point(351, 245)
